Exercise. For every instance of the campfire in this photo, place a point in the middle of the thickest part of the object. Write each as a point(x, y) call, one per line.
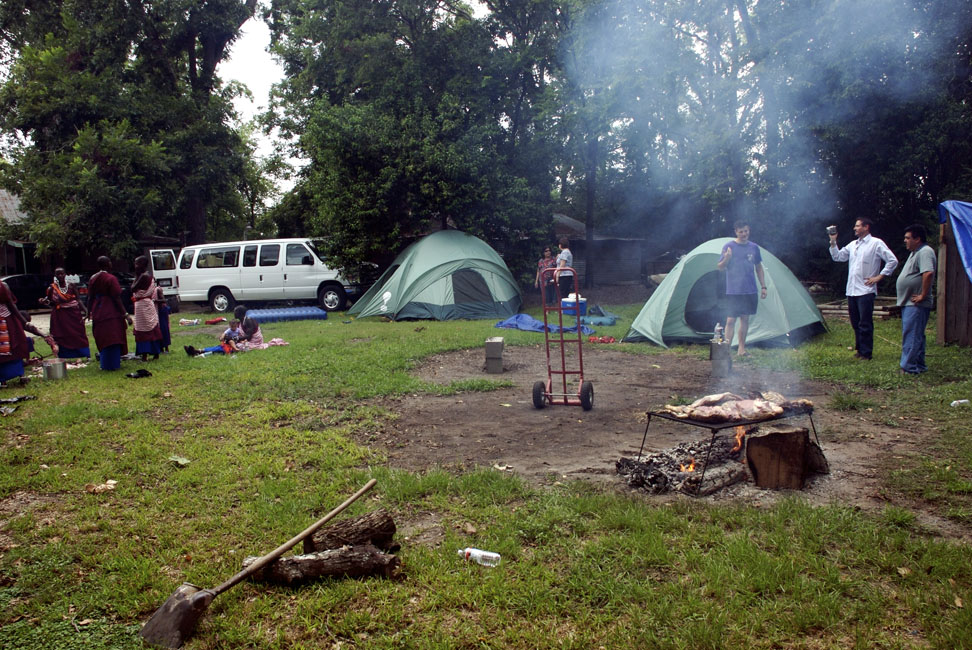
point(770, 456)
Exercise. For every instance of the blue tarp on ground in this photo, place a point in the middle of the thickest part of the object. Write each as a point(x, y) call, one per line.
point(600, 317)
point(961, 213)
point(528, 323)
point(264, 316)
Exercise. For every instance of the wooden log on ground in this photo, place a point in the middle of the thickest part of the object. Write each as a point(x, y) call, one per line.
point(717, 479)
point(783, 458)
point(349, 561)
point(376, 528)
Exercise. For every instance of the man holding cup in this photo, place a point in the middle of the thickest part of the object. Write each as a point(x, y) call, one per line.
point(870, 261)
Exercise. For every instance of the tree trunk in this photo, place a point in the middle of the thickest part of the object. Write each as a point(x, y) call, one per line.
point(591, 184)
point(195, 220)
point(782, 458)
point(349, 561)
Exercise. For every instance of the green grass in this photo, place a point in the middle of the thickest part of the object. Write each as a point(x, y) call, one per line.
point(271, 437)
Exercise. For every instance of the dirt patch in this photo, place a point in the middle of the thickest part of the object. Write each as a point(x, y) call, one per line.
point(15, 505)
point(423, 528)
point(503, 430)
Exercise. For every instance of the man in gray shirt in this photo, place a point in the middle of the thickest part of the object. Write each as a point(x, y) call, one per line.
point(915, 298)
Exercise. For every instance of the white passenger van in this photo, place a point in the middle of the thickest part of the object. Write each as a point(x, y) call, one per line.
point(223, 274)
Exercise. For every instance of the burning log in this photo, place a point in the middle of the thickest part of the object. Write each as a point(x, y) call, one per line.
point(783, 458)
point(681, 468)
point(348, 561)
point(776, 458)
point(718, 478)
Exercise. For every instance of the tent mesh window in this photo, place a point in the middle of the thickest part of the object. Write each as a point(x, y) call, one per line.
point(468, 286)
point(706, 302)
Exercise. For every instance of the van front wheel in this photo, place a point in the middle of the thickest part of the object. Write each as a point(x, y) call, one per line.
point(221, 300)
point(331, 297)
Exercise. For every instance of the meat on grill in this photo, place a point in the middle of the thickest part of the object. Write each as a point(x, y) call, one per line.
point(729, 407)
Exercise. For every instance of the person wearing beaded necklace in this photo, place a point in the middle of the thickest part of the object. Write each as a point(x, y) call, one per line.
point(67, 318)
point(13, 341)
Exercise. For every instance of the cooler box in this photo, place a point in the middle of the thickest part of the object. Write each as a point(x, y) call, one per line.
point(571, 307)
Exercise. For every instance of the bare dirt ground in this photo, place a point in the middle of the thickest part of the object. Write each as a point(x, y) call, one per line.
point(502, 429)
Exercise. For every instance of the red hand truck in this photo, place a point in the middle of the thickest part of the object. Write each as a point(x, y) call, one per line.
point(556, 344)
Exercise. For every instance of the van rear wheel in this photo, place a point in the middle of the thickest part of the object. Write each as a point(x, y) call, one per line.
point(221, 300)
point(331, 297)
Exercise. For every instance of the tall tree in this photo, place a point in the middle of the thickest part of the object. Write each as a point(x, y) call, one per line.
point(414, 116)
point(123, 124)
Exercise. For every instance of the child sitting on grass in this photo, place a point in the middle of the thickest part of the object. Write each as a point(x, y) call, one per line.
point(231, 336)
point(227, 342)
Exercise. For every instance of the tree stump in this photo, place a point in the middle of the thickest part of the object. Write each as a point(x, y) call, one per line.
point(783, 458)
point(348, 561)
point(376, 528)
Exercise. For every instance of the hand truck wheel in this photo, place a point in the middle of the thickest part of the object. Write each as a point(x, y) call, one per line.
point(539, 394)
point(587, 395)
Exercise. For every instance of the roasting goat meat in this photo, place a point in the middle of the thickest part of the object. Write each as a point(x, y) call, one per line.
point(729, 407)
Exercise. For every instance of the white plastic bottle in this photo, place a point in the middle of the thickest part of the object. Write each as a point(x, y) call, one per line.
point(486, 558)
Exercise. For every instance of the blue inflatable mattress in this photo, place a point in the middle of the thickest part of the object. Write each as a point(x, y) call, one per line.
point(264, 316)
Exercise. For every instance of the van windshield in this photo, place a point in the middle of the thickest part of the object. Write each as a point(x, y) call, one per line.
point(311, 245)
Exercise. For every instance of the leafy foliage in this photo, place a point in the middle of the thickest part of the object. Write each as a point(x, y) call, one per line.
point(123, 125)
point(413, 118)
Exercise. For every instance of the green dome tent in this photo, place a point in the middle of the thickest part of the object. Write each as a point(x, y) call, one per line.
point(692, 298)
point(443, 276)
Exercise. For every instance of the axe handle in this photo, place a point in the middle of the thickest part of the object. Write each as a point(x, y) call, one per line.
point(286, 546)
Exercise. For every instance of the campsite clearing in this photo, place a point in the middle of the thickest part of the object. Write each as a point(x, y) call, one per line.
point(501, 429)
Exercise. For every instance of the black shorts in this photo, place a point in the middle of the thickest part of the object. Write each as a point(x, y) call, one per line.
point(743, 304)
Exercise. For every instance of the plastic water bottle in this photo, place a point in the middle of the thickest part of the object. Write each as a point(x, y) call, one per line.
point(718, 332)
point(959, 401)
point(486, 558)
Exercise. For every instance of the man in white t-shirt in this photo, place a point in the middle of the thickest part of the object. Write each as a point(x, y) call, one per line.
point(565, 259)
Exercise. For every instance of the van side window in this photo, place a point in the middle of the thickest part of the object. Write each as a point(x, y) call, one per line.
point(163, 261)
point(186, 261)
point(214, 258)
point(269, 254)
point(298, 255)
point(249, 255)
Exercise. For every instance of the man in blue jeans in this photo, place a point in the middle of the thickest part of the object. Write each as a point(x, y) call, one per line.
point(865, 256)
point(915, 298)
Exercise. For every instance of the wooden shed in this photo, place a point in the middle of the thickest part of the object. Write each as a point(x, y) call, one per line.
point(954, 297)
point(611, 260)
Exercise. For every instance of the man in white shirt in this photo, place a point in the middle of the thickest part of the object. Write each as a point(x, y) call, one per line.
point(870, 261)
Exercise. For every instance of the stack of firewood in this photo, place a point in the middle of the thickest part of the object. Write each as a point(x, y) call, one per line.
point(361, 546)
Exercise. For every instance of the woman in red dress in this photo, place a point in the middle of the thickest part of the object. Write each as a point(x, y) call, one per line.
point(13, 341)
point(108, 316)
point(67, 318)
